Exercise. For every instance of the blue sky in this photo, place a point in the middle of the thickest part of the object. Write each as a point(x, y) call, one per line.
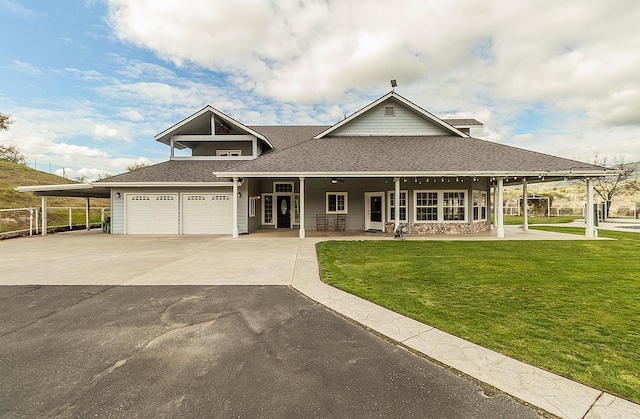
point(89, 83)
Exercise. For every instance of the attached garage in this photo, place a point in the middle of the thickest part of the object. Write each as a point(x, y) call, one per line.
point(207, 214)
point(151, 213)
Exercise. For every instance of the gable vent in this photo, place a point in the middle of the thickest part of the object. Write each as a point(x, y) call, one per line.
point(389, 111)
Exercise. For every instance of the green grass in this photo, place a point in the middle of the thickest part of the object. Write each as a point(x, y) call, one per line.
point(518, 220)
point(571, 307)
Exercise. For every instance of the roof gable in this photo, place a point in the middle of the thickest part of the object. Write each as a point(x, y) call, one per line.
point(200, 123)
point(392, 115)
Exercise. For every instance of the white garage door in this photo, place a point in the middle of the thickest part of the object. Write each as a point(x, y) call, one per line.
point(152, 214)
point(207, 214)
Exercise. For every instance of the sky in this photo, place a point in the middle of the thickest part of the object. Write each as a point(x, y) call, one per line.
point(89, 83)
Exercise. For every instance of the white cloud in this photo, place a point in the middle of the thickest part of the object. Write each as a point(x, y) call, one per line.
point(132, 115)
point(26, 68)
point(569, 54)
point(101, 131)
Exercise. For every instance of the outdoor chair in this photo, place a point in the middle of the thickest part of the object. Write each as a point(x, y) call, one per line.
point(341, 223)
point(321, 222)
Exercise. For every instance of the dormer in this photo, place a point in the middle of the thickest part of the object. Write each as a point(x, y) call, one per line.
point(392, 115)
point(211, 135)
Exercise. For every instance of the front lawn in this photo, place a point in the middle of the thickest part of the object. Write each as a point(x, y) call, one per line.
point(571, 307)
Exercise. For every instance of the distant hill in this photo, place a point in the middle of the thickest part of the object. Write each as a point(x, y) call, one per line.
point(12, 175)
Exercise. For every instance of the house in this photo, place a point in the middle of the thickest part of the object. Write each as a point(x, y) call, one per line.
point(389, 163)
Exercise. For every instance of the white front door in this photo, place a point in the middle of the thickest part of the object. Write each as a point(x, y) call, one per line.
point(374, 211)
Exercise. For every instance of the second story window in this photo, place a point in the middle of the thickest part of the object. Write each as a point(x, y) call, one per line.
point(227, 153)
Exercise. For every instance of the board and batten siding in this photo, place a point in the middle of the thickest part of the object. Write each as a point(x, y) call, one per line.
point(404, 122)
point(117, 204)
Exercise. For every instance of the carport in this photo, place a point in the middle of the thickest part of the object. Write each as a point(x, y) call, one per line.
point(72, 190)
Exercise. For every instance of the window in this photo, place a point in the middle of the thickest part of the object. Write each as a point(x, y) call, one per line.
point(453, 206)
point(283, 187)
point(426, 206)
point(336, 203)
point(403, 206)
point(267, 209)
point(252, 206)
point(227, 153)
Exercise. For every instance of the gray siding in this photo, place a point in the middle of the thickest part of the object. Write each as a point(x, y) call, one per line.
point(254, 187)
point(210, 148)
point(405, 122)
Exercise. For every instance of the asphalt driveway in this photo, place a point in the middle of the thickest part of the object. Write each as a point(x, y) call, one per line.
point(80, 337)
point(212, 351)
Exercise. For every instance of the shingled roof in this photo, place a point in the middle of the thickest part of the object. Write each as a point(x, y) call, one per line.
point(405, 154)
point(177, 171)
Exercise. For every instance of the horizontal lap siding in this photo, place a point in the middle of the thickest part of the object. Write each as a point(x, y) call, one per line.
point(405, 122)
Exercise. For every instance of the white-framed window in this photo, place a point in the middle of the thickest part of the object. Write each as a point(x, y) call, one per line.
point(392, 206)
point(253, 201)
point(337, 203)
point(228, 153)
point(267, 209)
point(453, 206)
point(479, 206)
point(426, 206)
point(282, 187)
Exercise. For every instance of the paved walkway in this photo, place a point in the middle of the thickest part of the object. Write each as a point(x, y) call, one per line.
point(555, 394)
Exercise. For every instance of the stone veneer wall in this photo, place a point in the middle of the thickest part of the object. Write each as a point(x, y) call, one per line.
point(441, 228)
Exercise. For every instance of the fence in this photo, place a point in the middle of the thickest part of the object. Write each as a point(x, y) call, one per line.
point(26, 221)
point(553, 211)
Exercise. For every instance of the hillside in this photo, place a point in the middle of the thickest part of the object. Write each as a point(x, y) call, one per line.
point(12, 175)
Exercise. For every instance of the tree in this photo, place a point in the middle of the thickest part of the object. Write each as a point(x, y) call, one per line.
point(137, 166)
point(11, 154)
point(609, 186)
point(4, 122)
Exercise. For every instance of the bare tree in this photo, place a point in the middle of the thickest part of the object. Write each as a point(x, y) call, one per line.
point(4, 122)
point(12, 154)
point(609, 186)
point(136, 166)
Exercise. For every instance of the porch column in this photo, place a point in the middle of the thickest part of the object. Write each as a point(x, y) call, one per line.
point(88, 218)
point(525, 200)
point(500, 209)
point(588, 216)
point(234, 200)
point(470, 206)
point(44, 215)
point(396, 204)
point(302, 233)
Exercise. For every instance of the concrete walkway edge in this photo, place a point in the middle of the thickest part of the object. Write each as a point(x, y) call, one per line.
point(550, 392)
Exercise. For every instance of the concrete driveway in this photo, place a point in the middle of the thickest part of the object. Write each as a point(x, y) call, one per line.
point(111, 350)
point(86, 258)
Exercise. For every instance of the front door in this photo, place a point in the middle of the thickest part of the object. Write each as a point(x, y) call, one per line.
point(374, 206)
point(283, 209)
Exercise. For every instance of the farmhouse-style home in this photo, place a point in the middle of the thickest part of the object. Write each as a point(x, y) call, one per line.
point(389, 164)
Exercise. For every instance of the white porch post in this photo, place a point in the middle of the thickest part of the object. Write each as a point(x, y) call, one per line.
point(525, 200)
point(588, 216)
point(44, 215)
point(500, 209)
point(234, 199)
point(396, 204)
point(302, 232)
point(88, 218)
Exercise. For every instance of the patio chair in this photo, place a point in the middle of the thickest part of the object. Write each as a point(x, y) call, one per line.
point(341, 223)
point(321, 222)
